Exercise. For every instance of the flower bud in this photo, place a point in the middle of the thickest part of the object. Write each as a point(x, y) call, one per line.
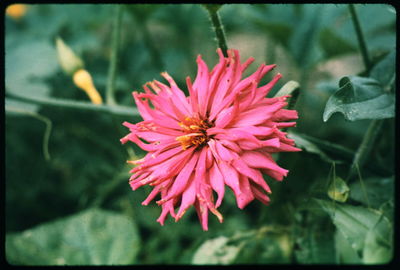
point(83, 80)
point(16, 11)
point(338, 190)
point(69, 61)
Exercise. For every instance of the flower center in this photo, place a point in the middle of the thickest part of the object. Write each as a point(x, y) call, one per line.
point(196, 132)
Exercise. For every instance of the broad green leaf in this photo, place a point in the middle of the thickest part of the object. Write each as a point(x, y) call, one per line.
point(360, 98)
point(310, 147)
point(373, 191)
point(328, 148)
point(345, 254)
point(367, 231)
point(270, 244)
point(93, 237)
point(216, 251)
point(385, 70)
point(378, 247)
point(338, 190)
point(378, 25)
point(274, 245)
point(302, 43)
point(353, 221)
point(315, 244)
point(387, 209)
point(26, 67)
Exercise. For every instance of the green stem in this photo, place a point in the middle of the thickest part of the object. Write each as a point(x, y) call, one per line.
point(365, 147)
point(374, 127)
point(46, 136)
point(77, 105)
point(364, 190)
point(218, 28)
point(360, 37)
point(112, 71)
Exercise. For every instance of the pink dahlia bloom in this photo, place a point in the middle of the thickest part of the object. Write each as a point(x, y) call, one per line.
point(222, 134)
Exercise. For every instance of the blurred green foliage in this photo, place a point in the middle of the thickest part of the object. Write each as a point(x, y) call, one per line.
point(77, 207)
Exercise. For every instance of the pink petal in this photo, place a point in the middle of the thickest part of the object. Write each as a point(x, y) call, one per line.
point(259, 194)
point(202, 212)
point(188, 198)
point(262, 160)
point(231, 177)
point(257, 115)
point(200, 85)
point(182, 179)
point(181, 98)
point(246, 195)
point(152, 195)
point(217, 183)
point(285, 115)
point(255, 175)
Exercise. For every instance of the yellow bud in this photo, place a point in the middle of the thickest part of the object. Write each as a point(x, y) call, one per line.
point(16, 11)
point(69, 61)
point(83, 80)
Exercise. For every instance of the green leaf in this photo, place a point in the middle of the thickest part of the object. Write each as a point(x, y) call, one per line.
point(378, 25)
point(367, 231)
point(345, 253)
point(216, 251)
point(378, 247)
point(270, 244)
point(385, 70)
point(353, 221)
point(387, 209)
point(93, 237)
point(315, 243)
point(333, 45)
point(373, 191)
point(338, 190)
point(26, 67)
point(360, 98)
point(302, 43)
point(310, 147)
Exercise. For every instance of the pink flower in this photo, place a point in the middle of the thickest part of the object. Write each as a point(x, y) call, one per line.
point(222, 134)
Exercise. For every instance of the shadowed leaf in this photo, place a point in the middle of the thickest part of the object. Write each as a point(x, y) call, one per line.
point(360, 98)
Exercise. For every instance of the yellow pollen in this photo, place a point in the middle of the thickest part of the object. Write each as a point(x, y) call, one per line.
point(196, 132)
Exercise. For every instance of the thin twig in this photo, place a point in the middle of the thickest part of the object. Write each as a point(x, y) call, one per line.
point(46, 136)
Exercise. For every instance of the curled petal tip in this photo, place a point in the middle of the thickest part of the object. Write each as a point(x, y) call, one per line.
point(217, 214)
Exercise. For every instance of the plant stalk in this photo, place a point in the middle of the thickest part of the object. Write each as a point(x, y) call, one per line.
point(365, 147)
point(218, 28)
point(112, 71)
point(77, 105)
point(360, 37)
point(374, 127)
